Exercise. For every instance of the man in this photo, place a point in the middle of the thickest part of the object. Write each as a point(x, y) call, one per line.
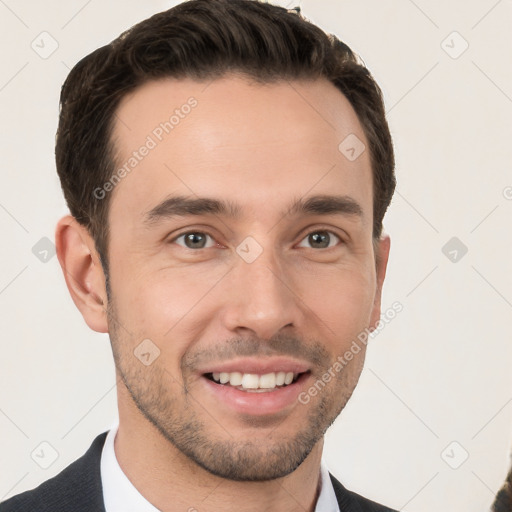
point(227, 166)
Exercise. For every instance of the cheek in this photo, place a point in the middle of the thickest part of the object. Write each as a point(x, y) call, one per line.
point(342, 299)
point(162, 305)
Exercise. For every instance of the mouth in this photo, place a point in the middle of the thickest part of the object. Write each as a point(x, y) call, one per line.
point(255, 386)
point(254, 382)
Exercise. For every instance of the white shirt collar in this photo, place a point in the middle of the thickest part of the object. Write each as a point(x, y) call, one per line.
point(120, 495)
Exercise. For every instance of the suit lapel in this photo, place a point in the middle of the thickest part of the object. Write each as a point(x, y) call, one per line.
point(345, 501)
point(76, 488)
point(350, 501)
point(83, 489)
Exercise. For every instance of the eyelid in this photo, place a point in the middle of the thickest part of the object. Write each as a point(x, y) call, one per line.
point(195, 228)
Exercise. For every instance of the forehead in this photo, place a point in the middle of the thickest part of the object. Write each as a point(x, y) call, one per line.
point(253, 144)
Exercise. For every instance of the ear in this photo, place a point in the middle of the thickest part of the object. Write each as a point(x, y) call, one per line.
point(83, 272)
point(381, 248)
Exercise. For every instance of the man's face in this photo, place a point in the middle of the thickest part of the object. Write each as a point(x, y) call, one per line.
point(275, 275)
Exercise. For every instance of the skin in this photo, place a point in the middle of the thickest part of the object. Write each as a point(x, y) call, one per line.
point(260, 146)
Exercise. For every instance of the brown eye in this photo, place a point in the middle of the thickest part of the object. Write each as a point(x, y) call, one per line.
point(320, 240)
point(194, 240)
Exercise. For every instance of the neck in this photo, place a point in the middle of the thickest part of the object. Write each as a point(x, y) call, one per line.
point(171, 481)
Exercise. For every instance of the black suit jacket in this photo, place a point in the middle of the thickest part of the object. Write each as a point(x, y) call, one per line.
point(77, 488)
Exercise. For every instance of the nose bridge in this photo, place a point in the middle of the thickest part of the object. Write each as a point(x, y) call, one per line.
point(262, 300)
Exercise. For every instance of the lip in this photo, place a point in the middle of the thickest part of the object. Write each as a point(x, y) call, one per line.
point(250, 403)
point(260, 366)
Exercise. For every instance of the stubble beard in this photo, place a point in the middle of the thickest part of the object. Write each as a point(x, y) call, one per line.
point(152, 389)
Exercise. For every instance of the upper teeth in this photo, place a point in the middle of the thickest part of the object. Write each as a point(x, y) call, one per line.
point(255, 381)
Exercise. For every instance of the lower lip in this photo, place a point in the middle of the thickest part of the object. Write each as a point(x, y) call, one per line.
point(256, 403)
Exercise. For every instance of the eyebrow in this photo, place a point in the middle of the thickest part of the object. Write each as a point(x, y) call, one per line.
point(182, 206)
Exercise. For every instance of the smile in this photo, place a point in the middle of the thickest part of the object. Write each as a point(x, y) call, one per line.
point(253, 382)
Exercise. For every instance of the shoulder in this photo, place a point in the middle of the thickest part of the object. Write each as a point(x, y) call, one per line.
point(77, 488)
point(353, 502)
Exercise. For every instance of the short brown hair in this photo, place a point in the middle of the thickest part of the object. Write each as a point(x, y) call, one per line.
point(204, 39)
point(503, 501)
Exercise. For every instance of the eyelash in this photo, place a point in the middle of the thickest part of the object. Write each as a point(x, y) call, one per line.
point(320, 230)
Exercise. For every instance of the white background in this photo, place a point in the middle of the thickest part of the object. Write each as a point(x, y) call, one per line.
point(439, 372)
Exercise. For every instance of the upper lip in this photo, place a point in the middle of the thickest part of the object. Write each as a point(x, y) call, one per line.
point(258, 366)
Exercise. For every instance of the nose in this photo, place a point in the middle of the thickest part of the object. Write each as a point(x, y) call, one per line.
point(260, 299)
